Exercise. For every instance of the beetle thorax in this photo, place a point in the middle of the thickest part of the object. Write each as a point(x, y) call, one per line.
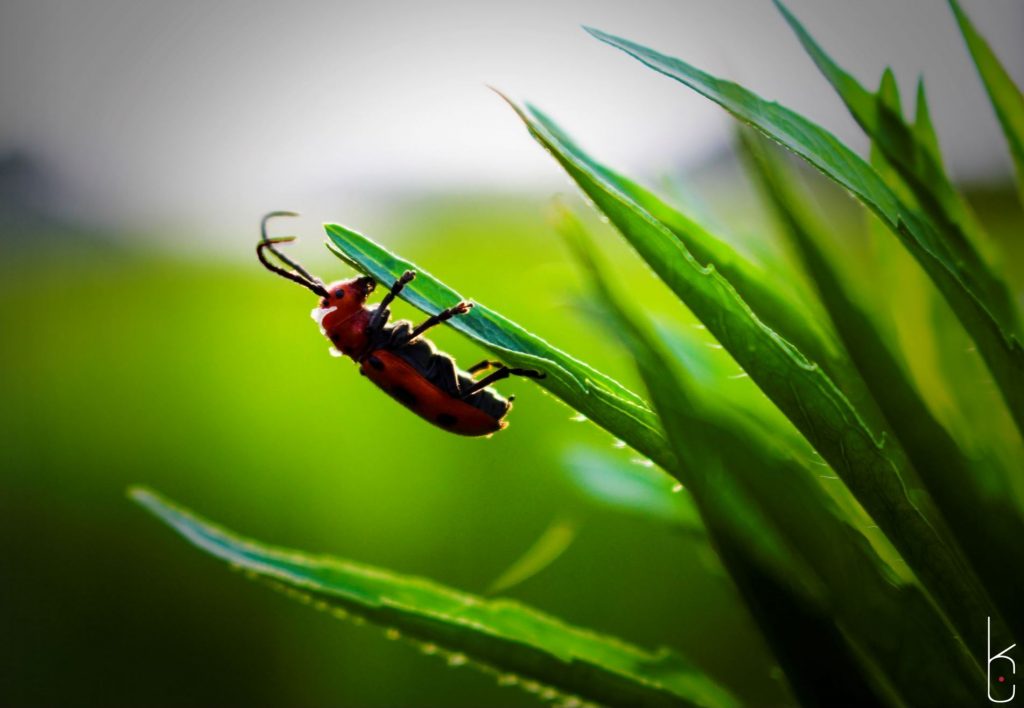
point(347, 332)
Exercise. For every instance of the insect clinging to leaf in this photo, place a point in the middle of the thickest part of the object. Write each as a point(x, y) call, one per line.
point(396, 356)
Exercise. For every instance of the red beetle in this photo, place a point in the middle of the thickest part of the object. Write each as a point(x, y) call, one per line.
point(396, 357)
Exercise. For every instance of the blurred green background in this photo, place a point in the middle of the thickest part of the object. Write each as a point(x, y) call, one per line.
point(209, 382)
point(148, 355)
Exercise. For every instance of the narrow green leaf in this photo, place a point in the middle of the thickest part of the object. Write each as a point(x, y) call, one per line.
point(1001, 350)
point(548, 548)
point(872, 469)
point(744, 406)
point(771, 302)
point(517, 643)
point(1006, 97)
point(913, 151)
point(924, 130)
point(942, 360)
point(988, 528)
point(598, 397)
point(888, 90)
point(633, 489)
point(776, 306)
point(862, 643)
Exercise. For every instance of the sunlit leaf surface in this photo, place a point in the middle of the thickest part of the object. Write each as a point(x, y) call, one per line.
point(998, 346)
point(802, 566)
point(872, 469)
point(986, 524)
point(520, 645)
point(913, 150)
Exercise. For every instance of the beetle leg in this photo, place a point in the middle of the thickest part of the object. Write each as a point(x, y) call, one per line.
point(443, 316)
point(483, 366)
point(381, 314)
point(503, 372)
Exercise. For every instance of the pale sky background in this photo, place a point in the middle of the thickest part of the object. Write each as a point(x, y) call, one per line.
point(206, 114)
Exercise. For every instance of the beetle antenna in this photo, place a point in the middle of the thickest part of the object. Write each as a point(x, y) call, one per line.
point(283, 258)
point(316, 287)
point(303, 278)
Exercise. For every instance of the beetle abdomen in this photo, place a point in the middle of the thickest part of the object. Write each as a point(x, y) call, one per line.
point(391, 372)
point(438, 368)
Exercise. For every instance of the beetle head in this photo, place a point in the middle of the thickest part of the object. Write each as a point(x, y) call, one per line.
point(348, 296)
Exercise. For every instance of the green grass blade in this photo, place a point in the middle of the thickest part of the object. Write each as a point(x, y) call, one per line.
point(986, 525)
point(504, 637)
point(1006, 97)
point(718, 456)
point(772, 304)
point(598, 397)
point(950, 376)
point(1001, 350)
point(873, 470)
point(543, 552)
point(913, 151)
point(633, 489)
point(777, 307)
point(924, 129)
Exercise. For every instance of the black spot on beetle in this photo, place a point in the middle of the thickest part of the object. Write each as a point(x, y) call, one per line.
point(376, 363)
point(447, 420)
point(405, 396)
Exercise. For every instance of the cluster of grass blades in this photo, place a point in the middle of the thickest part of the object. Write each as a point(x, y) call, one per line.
point(873, 587)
